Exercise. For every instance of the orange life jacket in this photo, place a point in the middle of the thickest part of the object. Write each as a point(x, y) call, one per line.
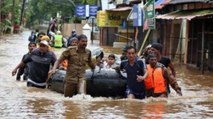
point(155, 80)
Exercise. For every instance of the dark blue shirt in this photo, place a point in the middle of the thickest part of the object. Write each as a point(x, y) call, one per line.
point(132, 72)
point(39, 65)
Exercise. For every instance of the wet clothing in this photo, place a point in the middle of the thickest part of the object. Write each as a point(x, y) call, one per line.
point(39, 66)
point(23, 70)
point(77, 61)
point(137, 95)
point(132, 71)
point(166, 61)
point(71, 89)
point(155, 82)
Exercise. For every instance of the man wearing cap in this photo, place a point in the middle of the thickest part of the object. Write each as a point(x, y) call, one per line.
point(78, 57)
point(40, 60)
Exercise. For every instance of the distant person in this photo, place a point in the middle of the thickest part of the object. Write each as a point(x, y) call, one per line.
point(123, 55)
point(52, 27)
point(24, 69)
point(157, 48)
point(36, 32)
point(78, 57)
point(58, 41)
point(40, 61)
point(73, 44)
point(51, 31)
point(32, 37)
point(136, 73)
point(73, 34)
point(39, 36)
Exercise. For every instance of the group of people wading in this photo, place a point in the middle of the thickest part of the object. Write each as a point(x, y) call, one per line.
point(147, 75)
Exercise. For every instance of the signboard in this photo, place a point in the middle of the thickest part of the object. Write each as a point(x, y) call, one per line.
point(93, 10)
point(111, 18)
point(150, 14)
point(86, 10)
point(80, 10)
point(137, 16)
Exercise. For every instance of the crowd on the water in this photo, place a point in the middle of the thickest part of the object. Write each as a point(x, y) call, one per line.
point(148, 75)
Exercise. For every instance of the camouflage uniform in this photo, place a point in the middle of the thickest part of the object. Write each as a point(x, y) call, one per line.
point(75, 81)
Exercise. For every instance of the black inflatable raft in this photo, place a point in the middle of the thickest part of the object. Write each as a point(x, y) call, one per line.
point(106, 83)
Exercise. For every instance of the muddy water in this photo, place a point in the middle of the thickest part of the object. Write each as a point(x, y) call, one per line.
point(19, 101)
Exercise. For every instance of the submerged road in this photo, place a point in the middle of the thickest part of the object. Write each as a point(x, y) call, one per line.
point(19, 101)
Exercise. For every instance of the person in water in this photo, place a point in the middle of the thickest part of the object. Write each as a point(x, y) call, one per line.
point(40, 61)
point(24, 69)
point(78, 57)
point(157, 48)
point(155, 82)
point(136, 73)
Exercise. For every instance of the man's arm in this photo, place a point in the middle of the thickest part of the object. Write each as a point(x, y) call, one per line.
point(25, 59)
point(141, 78)
point(172, 81)
point(21, 64)
point(56, 64)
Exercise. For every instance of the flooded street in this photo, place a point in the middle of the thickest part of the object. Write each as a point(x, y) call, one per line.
point(19, 101)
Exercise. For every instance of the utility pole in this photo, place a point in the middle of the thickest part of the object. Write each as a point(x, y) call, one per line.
point(22, 11)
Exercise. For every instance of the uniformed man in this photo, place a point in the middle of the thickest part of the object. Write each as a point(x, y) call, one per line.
point(75, 80)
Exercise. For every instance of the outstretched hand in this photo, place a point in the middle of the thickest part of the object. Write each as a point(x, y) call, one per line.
point(14, 72)
point(179, 92)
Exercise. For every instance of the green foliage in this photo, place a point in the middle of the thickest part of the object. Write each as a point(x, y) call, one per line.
point(6, 9)
point(40, 11)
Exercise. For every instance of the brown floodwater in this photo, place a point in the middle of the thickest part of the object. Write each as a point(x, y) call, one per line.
point(19, 101)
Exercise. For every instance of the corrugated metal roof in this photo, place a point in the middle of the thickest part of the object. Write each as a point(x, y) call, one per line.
point(186, 1)
point(186, 14)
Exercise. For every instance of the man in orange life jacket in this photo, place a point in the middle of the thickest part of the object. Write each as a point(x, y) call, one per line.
point(156, 81)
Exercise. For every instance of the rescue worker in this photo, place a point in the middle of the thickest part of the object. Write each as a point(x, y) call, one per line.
point(78, 57)
point(58, 41)
point(155, 82)
point(171, 81)
point(136, 73)
point(24, 69)
point(157, 48)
